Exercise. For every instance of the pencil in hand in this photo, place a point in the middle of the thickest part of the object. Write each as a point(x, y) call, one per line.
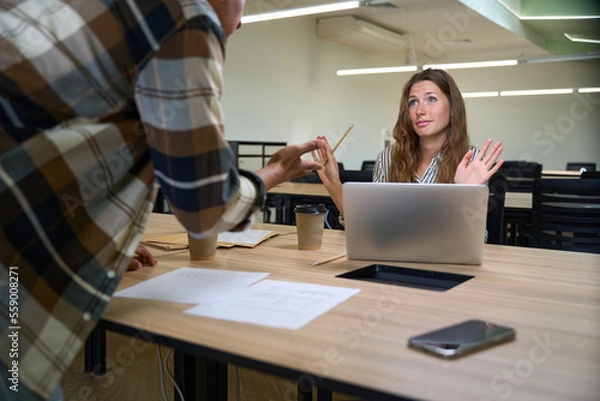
point(339, 142)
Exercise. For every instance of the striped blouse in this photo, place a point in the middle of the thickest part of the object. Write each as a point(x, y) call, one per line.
point(381, 170)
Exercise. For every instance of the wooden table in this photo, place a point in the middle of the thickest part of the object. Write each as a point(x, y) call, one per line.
point(551, 298)
point(513, 199)
point(561, 174)
point(283, 197)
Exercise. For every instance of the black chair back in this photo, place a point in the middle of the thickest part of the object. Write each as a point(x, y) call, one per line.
point(160, 203)
point(367, 165)
point(566, 214)
point(520, 174)
point(590, 174)
point(356, 176)
point(495, 215)
point(577, 166)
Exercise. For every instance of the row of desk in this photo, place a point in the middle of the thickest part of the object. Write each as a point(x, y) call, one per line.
point(521, 200)
point(551, 298)
point(517, 205)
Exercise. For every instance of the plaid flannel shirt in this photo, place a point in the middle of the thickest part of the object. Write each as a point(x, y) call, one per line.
point(98, 101)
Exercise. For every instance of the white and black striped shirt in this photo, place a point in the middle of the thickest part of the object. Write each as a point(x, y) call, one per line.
point(381, 170)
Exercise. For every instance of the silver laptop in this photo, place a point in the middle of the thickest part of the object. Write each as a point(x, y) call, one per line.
point(409, 222)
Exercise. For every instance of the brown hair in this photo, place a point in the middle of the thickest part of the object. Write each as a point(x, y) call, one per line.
point(406, 155)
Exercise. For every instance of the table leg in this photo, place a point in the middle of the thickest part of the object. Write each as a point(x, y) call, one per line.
point(200, 379)
point(95, 351)
point(324, 395)
point(304, 394)
point(278, 202)
point(287, 205)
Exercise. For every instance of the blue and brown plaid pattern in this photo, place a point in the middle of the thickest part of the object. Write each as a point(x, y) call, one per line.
point(98, 101)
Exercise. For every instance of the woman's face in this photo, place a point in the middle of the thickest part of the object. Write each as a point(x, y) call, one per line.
point(429, 109)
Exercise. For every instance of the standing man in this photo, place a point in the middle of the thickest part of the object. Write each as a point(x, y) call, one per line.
point(99, 100)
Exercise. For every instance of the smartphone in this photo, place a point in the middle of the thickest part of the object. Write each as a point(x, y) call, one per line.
point(462, 338)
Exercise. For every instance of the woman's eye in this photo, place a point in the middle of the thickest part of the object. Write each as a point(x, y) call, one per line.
point(432, 99)
point(412, 103)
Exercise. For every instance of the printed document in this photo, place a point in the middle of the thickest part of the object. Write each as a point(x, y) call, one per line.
point(278, 304)
point(192, 285)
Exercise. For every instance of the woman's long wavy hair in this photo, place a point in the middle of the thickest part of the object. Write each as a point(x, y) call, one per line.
point(406, 155)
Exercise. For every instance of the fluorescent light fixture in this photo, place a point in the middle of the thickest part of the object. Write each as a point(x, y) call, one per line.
point(588, 90)
point(480, 94)
point(543, 17)
point(474, 64)
point(298, 12)
point(536, 92)
point(555, 17)
point(379, 70)
point(579, 38)
point(564, 57)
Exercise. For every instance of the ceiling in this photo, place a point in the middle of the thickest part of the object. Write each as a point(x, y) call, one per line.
point(469, 30)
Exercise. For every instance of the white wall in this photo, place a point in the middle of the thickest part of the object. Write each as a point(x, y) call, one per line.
point(280, 85)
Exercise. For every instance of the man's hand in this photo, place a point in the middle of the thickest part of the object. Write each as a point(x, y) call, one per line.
point(330, 174)
point(288, 164)
point(142, 257)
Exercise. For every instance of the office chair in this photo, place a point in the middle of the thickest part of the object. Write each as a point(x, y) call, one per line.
point(520, 174)
point(519, 177)
point(495, 215)
point(160, 203)
point(356, 176)
point(367, 165)
point(578, 166)
point(590, 174)
point(566, 214)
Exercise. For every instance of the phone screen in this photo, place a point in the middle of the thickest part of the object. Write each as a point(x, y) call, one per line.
point(462, 338)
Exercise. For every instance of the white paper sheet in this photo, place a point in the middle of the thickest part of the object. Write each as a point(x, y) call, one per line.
point(192, 285)
point(276, 304)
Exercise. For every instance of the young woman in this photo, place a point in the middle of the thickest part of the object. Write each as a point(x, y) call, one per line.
point(432, 143)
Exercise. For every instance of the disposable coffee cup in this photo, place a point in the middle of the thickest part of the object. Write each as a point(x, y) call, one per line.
point(204, 248)
point(310, 221)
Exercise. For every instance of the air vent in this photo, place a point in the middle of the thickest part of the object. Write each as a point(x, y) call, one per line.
point(360, 34)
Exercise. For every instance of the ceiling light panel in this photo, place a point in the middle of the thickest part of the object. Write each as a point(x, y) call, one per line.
point(299, 12)
point(378, 70)
point(581, 38)
point(537, 92)
point(475, 64)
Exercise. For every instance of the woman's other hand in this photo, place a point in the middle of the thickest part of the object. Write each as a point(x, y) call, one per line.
point(482, 167)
